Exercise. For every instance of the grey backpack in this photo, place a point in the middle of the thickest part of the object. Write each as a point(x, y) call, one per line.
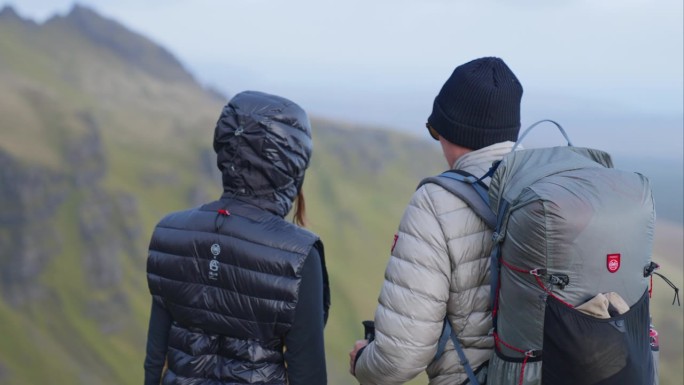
point(570, 267)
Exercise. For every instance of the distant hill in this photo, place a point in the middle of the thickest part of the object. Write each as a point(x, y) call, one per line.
point(96, 123)
point(102, 132)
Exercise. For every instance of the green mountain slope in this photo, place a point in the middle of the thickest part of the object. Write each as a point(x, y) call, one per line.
point(92, 138)
point(102, 132)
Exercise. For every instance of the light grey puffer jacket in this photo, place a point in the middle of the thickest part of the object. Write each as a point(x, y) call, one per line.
point(439, 265)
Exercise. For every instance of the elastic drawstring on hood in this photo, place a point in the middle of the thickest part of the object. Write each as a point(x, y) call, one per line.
point(263, 146)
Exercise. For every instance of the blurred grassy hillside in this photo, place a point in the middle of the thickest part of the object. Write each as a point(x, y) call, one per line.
point(102, 132)
point(92, 142)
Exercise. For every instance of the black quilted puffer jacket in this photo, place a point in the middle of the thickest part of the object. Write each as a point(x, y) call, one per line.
point(229, 271)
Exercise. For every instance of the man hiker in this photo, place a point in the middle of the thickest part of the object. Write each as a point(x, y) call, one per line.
point(439, 264)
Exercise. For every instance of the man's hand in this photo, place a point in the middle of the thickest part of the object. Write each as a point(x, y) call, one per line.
point(360, 344)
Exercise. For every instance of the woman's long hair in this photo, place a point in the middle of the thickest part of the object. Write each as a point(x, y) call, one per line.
point(300, 209)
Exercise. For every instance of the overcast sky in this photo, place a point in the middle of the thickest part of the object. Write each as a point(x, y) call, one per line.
point(383, 61)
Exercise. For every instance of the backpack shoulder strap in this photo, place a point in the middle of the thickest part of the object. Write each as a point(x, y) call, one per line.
point(449, 333)
point(469, 188)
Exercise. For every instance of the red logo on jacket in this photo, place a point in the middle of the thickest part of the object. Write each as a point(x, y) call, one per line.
point(613, 262)
point(394, 243)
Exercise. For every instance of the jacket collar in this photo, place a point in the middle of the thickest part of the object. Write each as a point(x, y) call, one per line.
point(479, 161)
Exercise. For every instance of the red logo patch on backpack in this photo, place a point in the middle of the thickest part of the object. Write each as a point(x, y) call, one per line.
point(613, 262)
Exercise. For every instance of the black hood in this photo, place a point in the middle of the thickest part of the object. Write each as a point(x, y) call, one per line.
point(263, 146)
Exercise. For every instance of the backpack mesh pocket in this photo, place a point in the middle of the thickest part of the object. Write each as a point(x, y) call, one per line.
point(581, 349)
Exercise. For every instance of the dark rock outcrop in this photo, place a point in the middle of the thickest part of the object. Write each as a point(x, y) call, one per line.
point(31, 197)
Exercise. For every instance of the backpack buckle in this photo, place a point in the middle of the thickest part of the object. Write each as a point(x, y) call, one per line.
point(561, 280)
point(538, 272)
point(650, 268)
point(497, 237)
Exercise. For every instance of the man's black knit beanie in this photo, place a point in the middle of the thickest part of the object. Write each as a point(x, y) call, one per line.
point(479, 105)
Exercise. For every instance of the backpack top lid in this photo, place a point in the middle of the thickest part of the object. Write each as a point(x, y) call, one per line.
point(521, 168)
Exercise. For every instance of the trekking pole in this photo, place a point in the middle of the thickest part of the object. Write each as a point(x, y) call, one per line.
point(368, 330)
